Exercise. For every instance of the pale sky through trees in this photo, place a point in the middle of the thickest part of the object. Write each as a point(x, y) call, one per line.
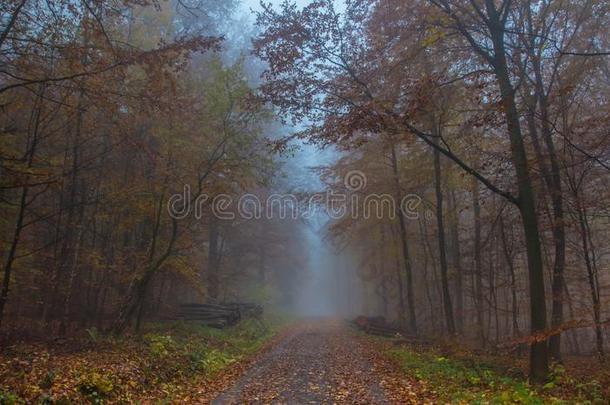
point(255, 4)
point(318, 293)
point(246, 5)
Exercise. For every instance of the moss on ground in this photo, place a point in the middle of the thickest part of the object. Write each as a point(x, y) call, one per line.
point(480, 382)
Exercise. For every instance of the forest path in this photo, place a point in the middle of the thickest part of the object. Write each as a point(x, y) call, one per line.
point(322, 362)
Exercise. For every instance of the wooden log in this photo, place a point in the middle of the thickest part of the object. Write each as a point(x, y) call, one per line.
point(376, 325)
point(218, 315)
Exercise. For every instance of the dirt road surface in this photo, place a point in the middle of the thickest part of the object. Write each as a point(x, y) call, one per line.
point(323, 362)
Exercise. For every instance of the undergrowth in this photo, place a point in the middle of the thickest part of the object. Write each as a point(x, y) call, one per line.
point(478, 382)
point(158, 363)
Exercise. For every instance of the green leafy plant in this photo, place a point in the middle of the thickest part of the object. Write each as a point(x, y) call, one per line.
point(215, 360)
point(95, 386)
point(9, 398)
point(160, 345)
point(47, 380)
point(465, 383)
point(93, 335)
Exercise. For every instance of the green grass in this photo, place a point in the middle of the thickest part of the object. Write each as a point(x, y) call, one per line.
point(475, 381)
point(456, 382)
point(479, 382)
point(206, 349)
point(188, 349)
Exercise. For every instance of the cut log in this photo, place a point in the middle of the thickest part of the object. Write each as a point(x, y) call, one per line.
point(377, 325)
point(218, 315)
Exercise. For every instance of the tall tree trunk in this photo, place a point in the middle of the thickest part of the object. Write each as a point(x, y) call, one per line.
point(552, 183)
point(427, 257)
point(139, 286)
point(572, 333)
point(493, 295)
point(75, 226)
point(405, 245)
point(591, 277)
point(456, 259)
point(23, 202)
point(402, 310)
point(382, 273)
point(513, 282)
point(140, 314)
point(448, 307)
point(478, 266)
point(213, 260)
point(539, 365)
point(262, 255)
point(8, 266)
point(65, 319)
point(552, 178)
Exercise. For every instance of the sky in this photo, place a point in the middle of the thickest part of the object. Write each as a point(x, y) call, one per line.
point(255, 4)
point(247, 5)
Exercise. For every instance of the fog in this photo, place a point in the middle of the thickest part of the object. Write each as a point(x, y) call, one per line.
point(325, 284)
point(325, 274)
point(467, 175)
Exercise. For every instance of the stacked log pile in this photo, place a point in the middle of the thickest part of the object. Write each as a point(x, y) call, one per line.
point(248, 310)
point(377, 325)
point(218, 315)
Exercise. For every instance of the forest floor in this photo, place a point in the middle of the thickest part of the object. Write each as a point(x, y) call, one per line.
point(272, 361)
point(455, 374)
point(330, 362)
point(170, 362)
